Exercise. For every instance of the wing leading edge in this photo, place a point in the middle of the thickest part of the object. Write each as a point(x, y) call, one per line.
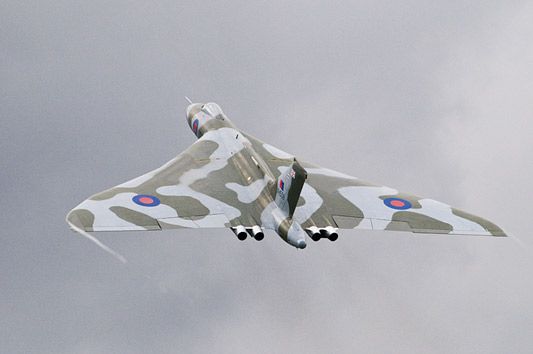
point(164, 198)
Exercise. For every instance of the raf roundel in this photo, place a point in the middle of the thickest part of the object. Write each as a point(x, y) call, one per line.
point(195, 126)
point(146, 200)
point(398, 203)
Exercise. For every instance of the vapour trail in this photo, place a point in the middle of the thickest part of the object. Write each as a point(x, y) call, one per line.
point(98, 243)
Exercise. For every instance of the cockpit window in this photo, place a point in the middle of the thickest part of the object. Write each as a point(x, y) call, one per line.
point(212, 109)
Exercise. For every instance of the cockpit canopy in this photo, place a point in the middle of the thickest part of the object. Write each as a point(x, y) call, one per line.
point(213, 110)
point(204, 116)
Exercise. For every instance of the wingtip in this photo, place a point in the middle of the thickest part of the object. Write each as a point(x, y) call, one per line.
point(74, 221)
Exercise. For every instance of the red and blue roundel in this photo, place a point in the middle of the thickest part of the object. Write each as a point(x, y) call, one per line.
point(195, 126)
point(146, 200)
point(398, 203)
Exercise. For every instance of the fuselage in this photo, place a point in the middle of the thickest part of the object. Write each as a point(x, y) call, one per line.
point(258, 179)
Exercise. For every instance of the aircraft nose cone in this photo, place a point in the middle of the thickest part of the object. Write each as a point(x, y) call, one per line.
point(301, 244)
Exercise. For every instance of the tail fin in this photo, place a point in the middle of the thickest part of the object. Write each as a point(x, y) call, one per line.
point(289, 187)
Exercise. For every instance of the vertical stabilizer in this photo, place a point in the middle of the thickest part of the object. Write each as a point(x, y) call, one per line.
point(289, 187)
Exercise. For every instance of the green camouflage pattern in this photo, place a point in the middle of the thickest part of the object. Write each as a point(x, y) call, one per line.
point(228, 178)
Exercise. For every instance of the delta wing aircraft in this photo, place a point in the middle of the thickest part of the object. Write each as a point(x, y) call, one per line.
point(229, 179)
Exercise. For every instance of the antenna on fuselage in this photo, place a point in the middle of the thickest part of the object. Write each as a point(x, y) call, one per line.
point(188, 99)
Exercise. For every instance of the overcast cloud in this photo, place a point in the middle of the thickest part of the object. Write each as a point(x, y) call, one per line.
point(432, 98)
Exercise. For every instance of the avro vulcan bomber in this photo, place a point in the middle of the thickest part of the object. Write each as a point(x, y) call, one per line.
point(229, 179)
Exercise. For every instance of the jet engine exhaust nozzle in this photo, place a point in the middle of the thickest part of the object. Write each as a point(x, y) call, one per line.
point(329, 232)
point(240, 232)
point(314, 233)
point(256, 232)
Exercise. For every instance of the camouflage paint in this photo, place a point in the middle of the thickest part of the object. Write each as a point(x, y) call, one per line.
point(229, 178)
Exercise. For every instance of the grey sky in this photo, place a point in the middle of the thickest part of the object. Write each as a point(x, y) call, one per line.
point(430, 98)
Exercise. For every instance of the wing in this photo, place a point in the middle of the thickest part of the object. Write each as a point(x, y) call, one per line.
point(331, 198)
point(201, 187)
